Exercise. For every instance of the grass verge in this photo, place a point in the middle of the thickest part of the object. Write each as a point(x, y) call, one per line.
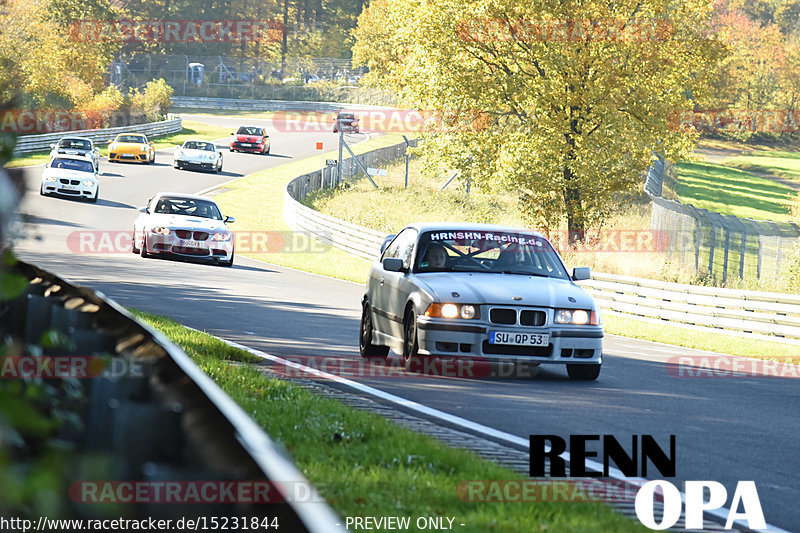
point(732, 191)
point(363, 464)
point(190, 130)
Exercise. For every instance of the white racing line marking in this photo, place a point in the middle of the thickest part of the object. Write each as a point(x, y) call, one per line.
point(460, 422)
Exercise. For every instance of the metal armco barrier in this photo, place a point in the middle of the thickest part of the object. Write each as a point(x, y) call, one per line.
point(167, 421)
point(37, 143)
point(765, 315)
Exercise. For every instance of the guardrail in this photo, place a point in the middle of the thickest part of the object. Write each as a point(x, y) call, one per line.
point(166, 421)
point(38, 143)
point(766, 315)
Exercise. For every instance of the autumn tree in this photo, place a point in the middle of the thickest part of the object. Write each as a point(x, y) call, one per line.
point(560, 102)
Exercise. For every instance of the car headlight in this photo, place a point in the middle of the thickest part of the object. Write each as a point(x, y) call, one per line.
point(50, 178)
point(144, 147)
point(450, 310)
point(88, 183)
point(580, 317)
point(160, 231)
point(221, 237)
point(112, 146)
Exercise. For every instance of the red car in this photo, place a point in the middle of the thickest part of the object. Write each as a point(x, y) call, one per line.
point(250, 139)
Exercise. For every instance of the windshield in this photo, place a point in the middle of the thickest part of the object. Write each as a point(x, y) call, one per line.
point(346, 116)
point(199, 145)
point(482, 251)
point(188, 207)
point(75, 144)
point(138, 139)
point(245, 130)
point(72, 164)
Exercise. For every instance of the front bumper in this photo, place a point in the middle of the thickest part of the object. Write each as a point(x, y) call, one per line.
point(248, 147)
point(68, 187)
point(202, 249)
point(195, 165)
point(128, 156)
point(567, 344)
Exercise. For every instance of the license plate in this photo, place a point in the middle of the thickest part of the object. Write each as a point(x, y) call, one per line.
point(127, 156)
point(70, 187)
point(519, 339)
point(247, 144)
point(190, 244)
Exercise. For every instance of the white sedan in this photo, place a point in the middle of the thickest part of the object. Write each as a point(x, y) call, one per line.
point(70, 175)
point(183, 225)
point(197, 154)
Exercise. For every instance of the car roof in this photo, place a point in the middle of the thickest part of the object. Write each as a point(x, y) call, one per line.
point(469, 226)
point(130, 133)
point(197, 141)
point(182, 195)
point(256, 127)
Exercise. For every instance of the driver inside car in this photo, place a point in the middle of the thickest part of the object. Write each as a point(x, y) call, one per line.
point(435, 257)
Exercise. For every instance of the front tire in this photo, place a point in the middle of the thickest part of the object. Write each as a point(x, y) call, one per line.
point(411, 341)
point(583, 372)
point(365, 346)
point(227, 263)
point(143, 252)
point(96, 194)
point(134, 249)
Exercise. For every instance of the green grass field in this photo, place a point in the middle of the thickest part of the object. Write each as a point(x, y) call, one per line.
point(362, 464)
point(732, 191)
point(190, 129)
point(782, 164)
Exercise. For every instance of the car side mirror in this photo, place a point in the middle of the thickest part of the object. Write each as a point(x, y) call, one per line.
point(229, 220)
point(233, 133)
point(393, 264)
point(143, 210)
point(581, 273)
point(52, 146)
point(111, 141)
point(386, 241)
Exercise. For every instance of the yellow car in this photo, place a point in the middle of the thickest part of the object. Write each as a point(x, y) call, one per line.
point(131, 147)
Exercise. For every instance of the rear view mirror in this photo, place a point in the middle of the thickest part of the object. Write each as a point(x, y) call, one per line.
point(393, 264)
point(581, 273)
point(143, 210)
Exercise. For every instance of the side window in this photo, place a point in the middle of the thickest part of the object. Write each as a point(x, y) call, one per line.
point(403, 246)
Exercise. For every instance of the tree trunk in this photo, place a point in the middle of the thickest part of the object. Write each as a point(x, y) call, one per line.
point(284, 44)
point(576, 224)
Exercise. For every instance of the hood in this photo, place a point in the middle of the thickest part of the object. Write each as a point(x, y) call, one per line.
point(248, 138)
point(68, 174)
point(182, 221)
point(199, 154)
point(499, 289)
